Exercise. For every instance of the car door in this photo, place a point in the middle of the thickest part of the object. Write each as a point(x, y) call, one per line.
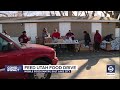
point(10, 57)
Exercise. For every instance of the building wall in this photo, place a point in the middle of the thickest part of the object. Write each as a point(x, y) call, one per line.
point(14, 29)
point(108, 28)
point(50, 27)
point(78, 28)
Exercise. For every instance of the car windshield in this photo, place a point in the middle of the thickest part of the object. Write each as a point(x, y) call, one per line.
point(13, 40)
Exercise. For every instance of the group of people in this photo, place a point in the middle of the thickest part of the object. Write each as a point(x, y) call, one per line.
point(56, 35)
point(70, 34)
point(97, 39)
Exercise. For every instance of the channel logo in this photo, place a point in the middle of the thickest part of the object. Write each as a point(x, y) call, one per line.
point(110, 69)
point(13, 68)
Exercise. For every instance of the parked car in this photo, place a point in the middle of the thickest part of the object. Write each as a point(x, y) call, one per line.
point(12, 53)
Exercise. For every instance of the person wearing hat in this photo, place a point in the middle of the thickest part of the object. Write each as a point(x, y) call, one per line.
point(23, 38)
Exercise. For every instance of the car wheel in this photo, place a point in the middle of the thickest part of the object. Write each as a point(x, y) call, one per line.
point(40, 75)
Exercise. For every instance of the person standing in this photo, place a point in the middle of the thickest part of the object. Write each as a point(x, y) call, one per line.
point(97, 41)
point(23, 38)
point(87, 38)
point(44, 34)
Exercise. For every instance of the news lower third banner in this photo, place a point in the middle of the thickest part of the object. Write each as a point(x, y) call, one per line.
point(41, 68)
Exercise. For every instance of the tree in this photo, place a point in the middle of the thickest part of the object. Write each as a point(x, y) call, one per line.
point(4, 14)
point(113, 14)
point(70, 13)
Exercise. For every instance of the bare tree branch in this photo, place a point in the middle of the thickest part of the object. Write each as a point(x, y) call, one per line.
point(4, 14)
point(81, 13)
point(61, 14)
point(70, 13)
point(93, 13)
point(78, 13)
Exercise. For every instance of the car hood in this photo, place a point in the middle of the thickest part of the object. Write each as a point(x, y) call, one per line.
point(36, 46)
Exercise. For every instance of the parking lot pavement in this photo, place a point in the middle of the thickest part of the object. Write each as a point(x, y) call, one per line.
point(90, 65)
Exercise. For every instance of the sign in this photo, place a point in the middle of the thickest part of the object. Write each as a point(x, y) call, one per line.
point(110, 69)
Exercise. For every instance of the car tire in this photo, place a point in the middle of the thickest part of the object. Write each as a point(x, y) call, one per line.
point(40, 62)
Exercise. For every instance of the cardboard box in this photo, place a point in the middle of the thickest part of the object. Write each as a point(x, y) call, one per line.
point(77, 48)
point(108, 46)
point(83, 48)
point(48, 40)
point(60, 40)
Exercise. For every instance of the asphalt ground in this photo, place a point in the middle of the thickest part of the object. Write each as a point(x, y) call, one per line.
point(91, 65)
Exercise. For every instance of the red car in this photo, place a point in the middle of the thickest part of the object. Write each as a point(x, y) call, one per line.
point(12, 53)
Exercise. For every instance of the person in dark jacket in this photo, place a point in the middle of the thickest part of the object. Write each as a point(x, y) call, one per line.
point(70, 34)
point(97, 41)
point(108, 37)
point(23, 38)
point(87, 38)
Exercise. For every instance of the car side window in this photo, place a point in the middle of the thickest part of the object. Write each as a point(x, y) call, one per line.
point(3, 43)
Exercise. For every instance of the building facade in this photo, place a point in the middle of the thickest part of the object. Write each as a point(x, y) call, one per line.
point(34, 26)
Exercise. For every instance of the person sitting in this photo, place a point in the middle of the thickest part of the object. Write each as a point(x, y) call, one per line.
point(108, 37)
point(23, 38)
point(55, 34)
point(70, 35)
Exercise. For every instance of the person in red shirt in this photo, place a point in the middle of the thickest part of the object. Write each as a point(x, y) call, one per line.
point(23, 38)
point(97, 41)
point(55, 34)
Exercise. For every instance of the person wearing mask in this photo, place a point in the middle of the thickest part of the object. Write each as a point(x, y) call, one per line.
point(70, 35)
point(108, 37)
point(23, 38)
point(55, 34)
point(97, 41)
point(87, 38)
